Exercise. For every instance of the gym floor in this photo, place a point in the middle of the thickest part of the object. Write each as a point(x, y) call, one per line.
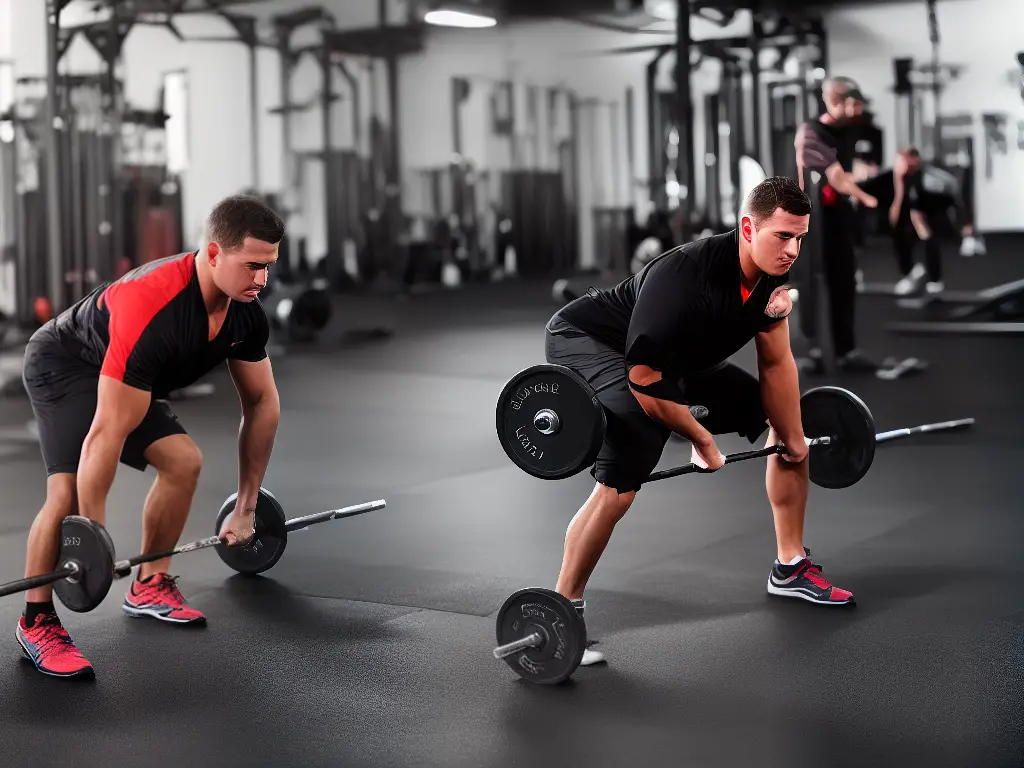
point(369, 644)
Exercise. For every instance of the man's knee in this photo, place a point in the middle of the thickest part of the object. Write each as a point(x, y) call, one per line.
point(61, 496)
point(612, 503)
point(176, 457)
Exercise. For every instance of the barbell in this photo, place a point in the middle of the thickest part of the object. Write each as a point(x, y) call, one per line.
point(551, 424)
point(87, 567)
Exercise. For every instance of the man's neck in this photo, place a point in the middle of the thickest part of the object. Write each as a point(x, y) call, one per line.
point(216, 302)
point(751, 274)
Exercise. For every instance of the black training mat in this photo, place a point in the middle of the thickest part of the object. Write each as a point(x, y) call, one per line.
point(370, 642)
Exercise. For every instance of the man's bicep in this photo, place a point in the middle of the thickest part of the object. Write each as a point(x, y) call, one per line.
point(119, 406)
point(253, 380)
point(772, 344)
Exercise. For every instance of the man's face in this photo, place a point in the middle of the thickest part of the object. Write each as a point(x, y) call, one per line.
point(241, 273)
point(854, 108)
point(835, 102)
point(775, 244)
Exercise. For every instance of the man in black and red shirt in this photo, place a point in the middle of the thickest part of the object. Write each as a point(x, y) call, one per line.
point(823, 145)
point(659, 342)
point(97, 375)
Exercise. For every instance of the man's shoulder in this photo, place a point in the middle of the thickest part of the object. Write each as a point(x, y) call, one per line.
point(155, 283)
point(709, 250)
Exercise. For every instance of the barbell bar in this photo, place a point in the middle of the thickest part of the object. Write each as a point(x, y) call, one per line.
point(87, 567)
point(551, 423)
point(69, 569)
point(123, 567)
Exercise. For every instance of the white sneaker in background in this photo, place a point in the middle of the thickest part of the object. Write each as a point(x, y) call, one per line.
point(911, 282)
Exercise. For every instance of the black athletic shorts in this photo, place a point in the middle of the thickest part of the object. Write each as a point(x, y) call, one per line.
point(62, 389)
point(633, 442)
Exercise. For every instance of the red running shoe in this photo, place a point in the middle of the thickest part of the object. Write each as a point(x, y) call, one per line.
point(159, 598)
point(50, 648)
point(804, 580)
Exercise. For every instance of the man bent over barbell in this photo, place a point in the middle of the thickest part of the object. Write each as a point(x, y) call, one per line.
point(96, 375)
point(660, 340)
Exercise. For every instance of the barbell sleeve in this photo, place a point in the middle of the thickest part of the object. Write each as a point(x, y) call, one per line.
point(894, 434)
point(530, 641)
point(299, 523)
point(23, 585)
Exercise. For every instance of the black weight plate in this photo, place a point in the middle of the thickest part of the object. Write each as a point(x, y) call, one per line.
point(840, 414)
point(263, 552)
point(555, 618)
point(567, 450)
point(89, 546)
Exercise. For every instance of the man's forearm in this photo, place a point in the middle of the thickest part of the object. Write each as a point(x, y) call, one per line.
point(96, 469)
point(780, 395)
point(845, 185)
point(255, 444)
point(676, 417)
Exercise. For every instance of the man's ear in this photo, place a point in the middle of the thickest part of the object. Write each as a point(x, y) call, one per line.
point(747, 228)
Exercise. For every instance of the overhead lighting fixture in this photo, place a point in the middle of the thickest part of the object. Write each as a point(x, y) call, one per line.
point(666, 10)
point(465, 20)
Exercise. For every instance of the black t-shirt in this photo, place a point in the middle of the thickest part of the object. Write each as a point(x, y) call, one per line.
point(864, 140)
point(684, 312)
point(150, 328)
point(823, 145)
point(931, 190)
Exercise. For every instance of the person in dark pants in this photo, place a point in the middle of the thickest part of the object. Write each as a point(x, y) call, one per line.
point(660, 341)
point(922, 202)
point(97, 376)
point(823, 146)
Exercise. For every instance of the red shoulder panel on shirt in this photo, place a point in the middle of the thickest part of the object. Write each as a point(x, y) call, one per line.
point(133, 302)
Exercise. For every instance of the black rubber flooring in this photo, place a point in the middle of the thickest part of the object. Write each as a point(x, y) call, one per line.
point(369, 643)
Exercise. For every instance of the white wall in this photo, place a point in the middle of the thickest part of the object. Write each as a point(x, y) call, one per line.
point(983, 35)
point(6, 28)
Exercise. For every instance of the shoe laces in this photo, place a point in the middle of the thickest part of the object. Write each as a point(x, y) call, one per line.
point(54, 636)
point(169, 586)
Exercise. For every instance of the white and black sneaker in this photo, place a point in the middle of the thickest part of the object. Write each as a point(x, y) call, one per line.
point(589, 657)
point(801, 578)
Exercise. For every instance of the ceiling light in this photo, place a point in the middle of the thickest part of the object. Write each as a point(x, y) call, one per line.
point(666, 10)
point(449, 18)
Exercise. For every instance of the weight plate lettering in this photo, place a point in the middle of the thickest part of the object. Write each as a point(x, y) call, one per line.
point(840, 414)
point(88, 545)
point(550, 422)
point(556, 620)
point(263, 552)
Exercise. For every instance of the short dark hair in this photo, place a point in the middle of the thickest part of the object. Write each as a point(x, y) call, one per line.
point(774, 193)
point(240, 216)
